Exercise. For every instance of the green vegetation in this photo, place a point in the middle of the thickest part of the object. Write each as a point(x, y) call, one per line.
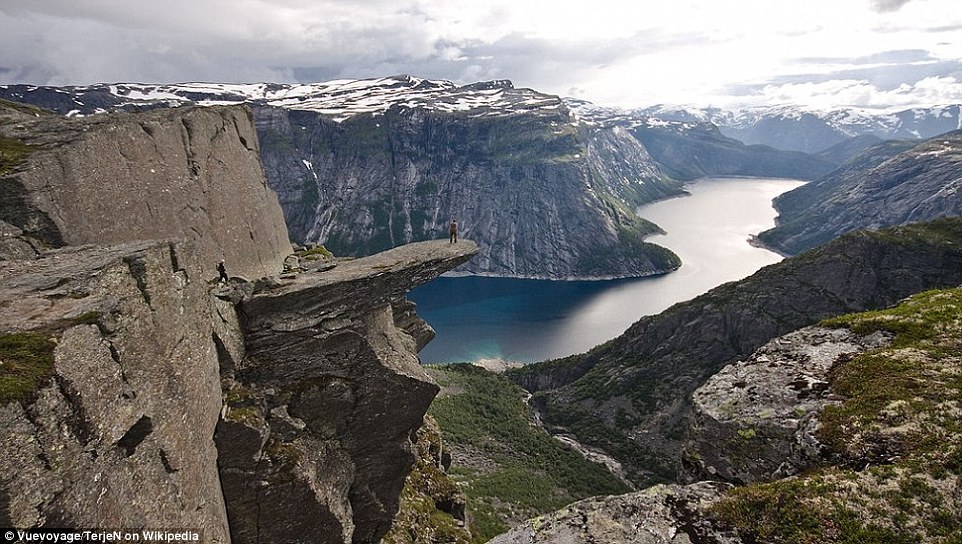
point(518, 470)
point(939, 233)
point(896, 440)
point(427, 492)
point(642, 467)
point(86, 318)
point(26, 362)
point(317, 252)
point(808, 511)
point(12, 154)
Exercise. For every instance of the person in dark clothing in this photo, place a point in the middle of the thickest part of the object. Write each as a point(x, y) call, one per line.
point(222, 270)
point(453, 231)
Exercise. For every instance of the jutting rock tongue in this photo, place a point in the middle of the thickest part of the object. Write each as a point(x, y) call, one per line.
point(320, 412)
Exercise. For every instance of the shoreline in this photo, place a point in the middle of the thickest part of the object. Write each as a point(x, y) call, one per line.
point(455, 274)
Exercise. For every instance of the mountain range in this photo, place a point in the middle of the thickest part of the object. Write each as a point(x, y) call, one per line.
point(364, 165)
point(811, 130)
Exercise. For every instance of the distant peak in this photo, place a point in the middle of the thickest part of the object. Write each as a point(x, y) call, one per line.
point(489, 85)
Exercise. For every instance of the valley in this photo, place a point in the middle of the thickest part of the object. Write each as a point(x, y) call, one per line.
point(668, 348)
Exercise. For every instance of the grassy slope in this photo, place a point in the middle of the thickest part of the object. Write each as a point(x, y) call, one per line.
point(510, 468)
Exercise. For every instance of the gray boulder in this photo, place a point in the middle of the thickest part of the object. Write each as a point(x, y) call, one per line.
point(755, 420)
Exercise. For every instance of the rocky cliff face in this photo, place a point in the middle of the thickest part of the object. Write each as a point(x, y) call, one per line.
point(630, 395)
point(137, 393)
point(110, 393)
point(193, 176)
point(893, 183)
point(433, 506)
point(368, 183)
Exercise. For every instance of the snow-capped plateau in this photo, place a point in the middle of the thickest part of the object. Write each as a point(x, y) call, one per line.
point(339, 99)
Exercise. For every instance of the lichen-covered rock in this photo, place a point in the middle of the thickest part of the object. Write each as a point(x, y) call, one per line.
point(663, 514)
point(13, 245)
point(756, 419)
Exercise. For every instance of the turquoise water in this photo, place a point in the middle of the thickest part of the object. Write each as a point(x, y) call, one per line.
point(532, 320)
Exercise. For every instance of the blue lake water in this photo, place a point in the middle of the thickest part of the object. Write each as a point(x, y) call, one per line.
point(532, 320)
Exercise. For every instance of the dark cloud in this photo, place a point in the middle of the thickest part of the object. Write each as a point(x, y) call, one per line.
point(66, 42)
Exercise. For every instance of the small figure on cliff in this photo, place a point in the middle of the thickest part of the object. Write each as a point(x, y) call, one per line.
point(453, 231)
point(222, 270)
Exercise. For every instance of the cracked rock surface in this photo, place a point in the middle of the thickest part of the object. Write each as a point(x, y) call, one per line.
point(663, 514)
point(755, 420)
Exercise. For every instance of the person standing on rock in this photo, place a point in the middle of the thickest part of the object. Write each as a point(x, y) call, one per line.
point(453, 231)
point(222, 270)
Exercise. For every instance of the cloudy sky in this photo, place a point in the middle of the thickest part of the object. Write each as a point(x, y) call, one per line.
point(873, 53)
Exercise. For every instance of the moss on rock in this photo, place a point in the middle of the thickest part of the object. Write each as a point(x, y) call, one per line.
point(26, 362)
point(894, 441)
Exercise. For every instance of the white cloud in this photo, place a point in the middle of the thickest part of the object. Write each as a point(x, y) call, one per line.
point(835, 93)
point(611, 51)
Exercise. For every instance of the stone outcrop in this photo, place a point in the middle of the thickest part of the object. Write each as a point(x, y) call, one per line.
point(138, 393)
point(113, 425)
point(323, 396)
point(664, 514)
point(756, 419)
point(192, 175)
point(433, 506)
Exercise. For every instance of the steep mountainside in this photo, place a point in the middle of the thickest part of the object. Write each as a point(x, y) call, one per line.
point(893, 183)
point(842, 152)
point(688, 151)
point(688, 148)
point(630, 395)
point(371, 182)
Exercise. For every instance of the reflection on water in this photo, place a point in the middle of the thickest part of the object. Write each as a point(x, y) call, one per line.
point(532, 320)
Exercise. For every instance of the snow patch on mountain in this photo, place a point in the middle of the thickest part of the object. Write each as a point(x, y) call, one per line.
point(344, 98)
